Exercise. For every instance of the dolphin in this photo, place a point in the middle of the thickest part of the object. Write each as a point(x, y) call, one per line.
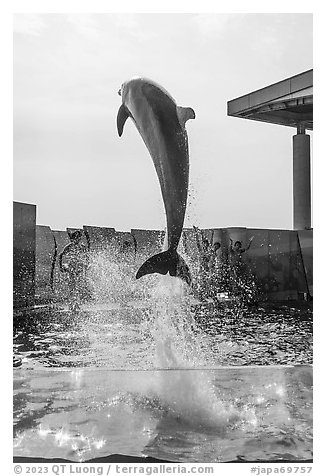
point(161, 124)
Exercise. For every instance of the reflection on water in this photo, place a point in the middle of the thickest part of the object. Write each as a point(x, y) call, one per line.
point(252, 413)
point(134, 375)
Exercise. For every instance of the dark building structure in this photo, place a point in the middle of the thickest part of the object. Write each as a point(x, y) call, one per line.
point(24, 241)
point(288, 103)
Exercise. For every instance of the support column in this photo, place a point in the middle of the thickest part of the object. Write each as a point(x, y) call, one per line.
point(301, 181)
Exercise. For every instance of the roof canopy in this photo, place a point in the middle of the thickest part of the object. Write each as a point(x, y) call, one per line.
point(288, 102)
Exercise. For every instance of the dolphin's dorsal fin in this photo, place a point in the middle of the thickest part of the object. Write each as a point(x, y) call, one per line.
point(185, 113)
point(122, 116)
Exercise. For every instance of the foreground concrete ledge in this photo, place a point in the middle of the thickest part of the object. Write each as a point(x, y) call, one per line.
point(90, 371)
point(117, 458)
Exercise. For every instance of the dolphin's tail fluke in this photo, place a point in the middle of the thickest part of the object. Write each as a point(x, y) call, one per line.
point(166, 262)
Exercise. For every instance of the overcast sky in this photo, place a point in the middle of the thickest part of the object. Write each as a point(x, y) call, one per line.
point(68, 158)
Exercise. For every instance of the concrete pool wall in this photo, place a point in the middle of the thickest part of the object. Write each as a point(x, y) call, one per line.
point(280, 261)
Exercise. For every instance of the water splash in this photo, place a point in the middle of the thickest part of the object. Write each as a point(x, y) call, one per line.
point(169, 336)
point(155, 315)
point(151, 324)
point(190, 396)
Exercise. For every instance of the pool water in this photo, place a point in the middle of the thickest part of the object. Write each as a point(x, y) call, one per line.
point(226, 414)
point(165, 377)
point(118, 337)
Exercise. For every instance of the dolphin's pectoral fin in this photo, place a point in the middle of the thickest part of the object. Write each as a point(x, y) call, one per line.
point(185, 113)
point(163, 263)
point(122, 116)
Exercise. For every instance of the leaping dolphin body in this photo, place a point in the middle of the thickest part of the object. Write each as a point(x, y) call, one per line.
point(161, 124)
